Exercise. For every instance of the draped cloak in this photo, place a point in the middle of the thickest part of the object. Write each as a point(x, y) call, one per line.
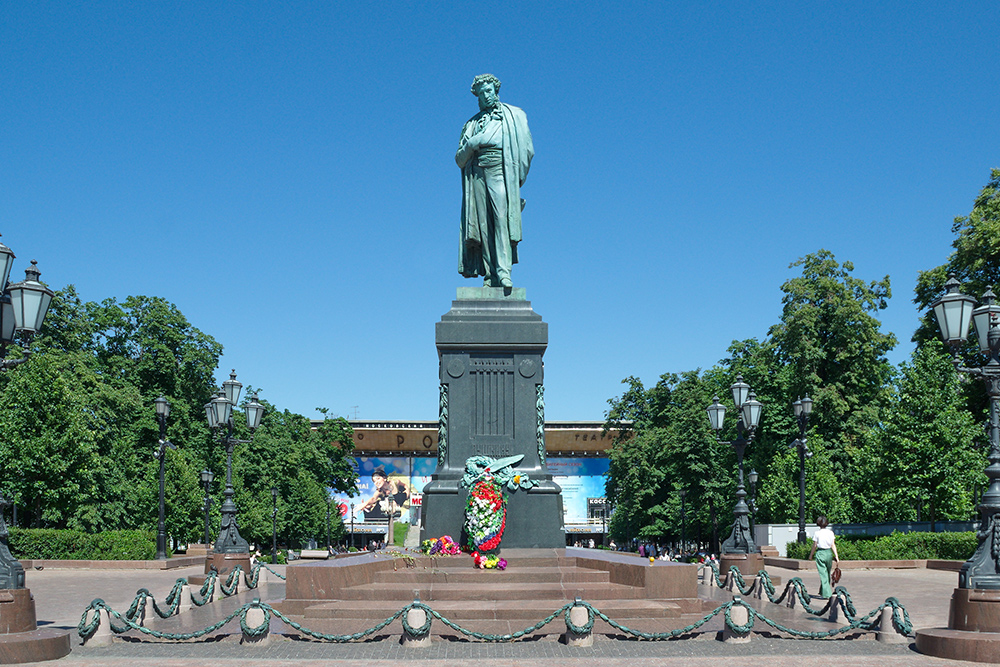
point(517, 153)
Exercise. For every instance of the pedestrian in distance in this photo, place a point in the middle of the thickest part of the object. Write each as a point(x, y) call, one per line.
point(825, 552)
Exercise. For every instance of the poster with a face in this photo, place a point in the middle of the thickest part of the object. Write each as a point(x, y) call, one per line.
point(384, 488)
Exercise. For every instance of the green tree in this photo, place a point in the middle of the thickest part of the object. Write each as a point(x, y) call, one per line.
point(975, 260)
point(831, 341)
point(924, 451)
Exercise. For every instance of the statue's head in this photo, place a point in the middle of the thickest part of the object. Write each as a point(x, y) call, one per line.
point(487, 88)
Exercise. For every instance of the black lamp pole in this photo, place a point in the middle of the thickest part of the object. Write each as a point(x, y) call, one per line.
point(352, 524)
point(740, 540)
point(953, 312)
point(683, 493)
point(274, 525)
point(801, 409)
point(162, 412)
point(206, 478)
point(328, 523)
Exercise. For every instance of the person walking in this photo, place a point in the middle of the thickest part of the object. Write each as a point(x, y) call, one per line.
point(825, 551)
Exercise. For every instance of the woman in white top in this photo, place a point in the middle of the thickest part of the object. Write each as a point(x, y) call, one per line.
point(825, 551)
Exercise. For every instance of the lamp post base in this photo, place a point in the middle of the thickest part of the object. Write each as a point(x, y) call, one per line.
point(748, 564)
point(973, 631)
point(225, 563)
point(21, 640)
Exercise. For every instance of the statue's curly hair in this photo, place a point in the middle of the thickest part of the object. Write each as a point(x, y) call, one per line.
point(485, 78)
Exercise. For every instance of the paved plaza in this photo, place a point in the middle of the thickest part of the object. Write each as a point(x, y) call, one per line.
point(62, 594)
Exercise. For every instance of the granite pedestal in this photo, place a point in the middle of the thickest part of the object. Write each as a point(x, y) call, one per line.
point(490, 346)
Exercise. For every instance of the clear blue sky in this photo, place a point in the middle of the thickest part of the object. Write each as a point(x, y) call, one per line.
point(284, 171)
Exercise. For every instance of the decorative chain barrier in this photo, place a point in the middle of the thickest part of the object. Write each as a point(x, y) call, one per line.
point(795, 586)
point(174, 598)
point(87, 628)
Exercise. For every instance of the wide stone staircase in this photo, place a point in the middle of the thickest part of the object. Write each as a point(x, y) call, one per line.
point(342, 597)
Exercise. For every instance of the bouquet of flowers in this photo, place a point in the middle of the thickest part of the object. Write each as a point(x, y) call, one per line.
point(489, 561)
point(444, 545)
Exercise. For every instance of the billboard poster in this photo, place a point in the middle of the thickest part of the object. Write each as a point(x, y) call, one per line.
point(386, 485)
point(581, 479)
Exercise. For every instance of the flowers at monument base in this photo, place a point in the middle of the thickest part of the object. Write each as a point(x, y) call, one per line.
point(488, 561)
point(443, 545)
point(485, 514)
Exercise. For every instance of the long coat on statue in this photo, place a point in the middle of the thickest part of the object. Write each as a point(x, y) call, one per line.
point(517, 153)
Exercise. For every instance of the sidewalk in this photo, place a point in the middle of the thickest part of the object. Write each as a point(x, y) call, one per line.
point(61, 596)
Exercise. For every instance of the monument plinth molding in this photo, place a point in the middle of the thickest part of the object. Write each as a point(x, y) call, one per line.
point(490, 346)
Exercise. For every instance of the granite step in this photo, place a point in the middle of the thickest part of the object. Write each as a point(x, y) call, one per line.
point(510, 610)
point(490, 591)
point(470, 574)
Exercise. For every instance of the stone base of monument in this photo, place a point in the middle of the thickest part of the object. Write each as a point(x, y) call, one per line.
point(20, 638)
point(491, 404)
point(353, 593)
point(973, 631)
point(533, 516)
point(748, 564)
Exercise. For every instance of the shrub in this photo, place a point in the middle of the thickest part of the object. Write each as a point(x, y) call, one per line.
point(897, 546)
point(265, 557)
point(53, 544)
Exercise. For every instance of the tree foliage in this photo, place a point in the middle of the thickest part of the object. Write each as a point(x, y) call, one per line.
point(882, 440)
point(78, 431)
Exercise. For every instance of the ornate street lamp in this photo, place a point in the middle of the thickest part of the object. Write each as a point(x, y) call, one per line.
point(753, 477)
point(740, 541)
point(274, 525)
point(23, 307)
point(219, 412)
point(801, 409)
point(162, 412)
point(206, 479)
point(352, 524)
point(953, 312)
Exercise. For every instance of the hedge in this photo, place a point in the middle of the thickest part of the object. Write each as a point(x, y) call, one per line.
point(898, 546)
point(53, 544)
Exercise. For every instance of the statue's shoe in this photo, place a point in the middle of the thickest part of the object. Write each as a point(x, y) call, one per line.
point(506, 283)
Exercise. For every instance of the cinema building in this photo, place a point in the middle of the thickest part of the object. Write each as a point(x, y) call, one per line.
point(405, 455)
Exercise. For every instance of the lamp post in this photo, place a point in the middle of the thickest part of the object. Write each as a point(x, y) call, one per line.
point(801, 409)
point(740, 541)
point(219, 412)
point(753, 477)
point(274, 525)
point(352, 524)
point(953, 312)
point(23, 307)
point(328, 522)
point(682, 493)
point(162, 412)
point(206, 479)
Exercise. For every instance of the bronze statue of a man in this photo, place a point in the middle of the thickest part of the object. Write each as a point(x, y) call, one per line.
point(494, 154)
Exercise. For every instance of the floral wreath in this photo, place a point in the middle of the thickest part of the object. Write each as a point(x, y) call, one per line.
point(486, 511)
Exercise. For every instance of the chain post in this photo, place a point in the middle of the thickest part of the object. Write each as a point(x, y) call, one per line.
point(579, 624)
point(185, 599)
point(103, 635)
point(737, 614)
point(255, 621)
point(416, 625)
point(887, 633)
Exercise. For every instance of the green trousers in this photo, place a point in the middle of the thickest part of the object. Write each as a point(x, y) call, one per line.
point(824, 563)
